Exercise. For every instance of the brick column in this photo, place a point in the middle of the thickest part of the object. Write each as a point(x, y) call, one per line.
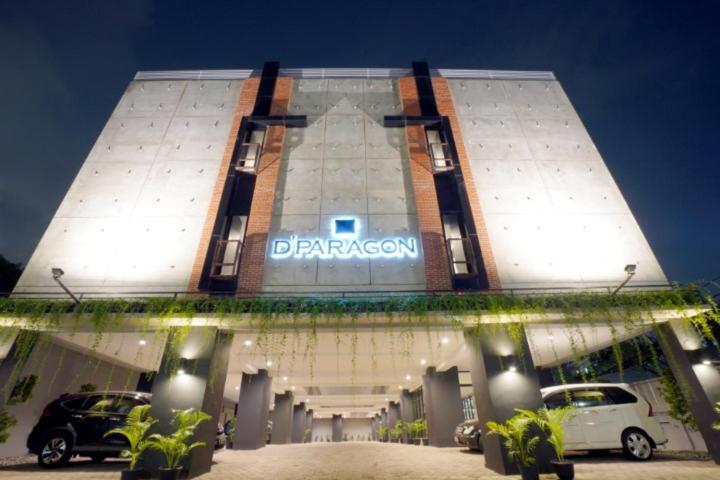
point(446, 108)
point(252, 260)
point(437, 270)
point(245, 104)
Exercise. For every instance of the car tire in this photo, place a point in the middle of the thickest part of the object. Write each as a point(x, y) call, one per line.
point(56, 449)
point(637, 445)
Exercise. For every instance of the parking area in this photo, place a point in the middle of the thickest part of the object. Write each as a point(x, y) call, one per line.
point(371, 460)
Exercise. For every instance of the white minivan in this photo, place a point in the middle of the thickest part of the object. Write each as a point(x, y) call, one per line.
point(609, 416)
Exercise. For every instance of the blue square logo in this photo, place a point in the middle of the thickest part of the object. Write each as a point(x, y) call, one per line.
point(345, 226)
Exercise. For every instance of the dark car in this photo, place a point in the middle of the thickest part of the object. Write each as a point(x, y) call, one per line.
point(467, 434)
point(75, 424)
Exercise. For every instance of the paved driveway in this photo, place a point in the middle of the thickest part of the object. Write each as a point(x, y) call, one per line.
point(375, 461)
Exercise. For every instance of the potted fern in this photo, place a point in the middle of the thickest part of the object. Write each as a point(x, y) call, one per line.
point(397, 431)
point(518, 443)
point(421, 428)
point(137, 424)
point(176, 446)
point(382, 433)
point(551, 422)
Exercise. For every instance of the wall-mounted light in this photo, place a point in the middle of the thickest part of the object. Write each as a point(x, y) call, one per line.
point(183, 366)
point(248, 343)
point(630, 270)
point(423, 361)
point(445, 340)
point(510, 362)
point(56, 274)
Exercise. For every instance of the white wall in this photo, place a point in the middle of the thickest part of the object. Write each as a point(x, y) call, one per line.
point(132, 218)
point(554, 215)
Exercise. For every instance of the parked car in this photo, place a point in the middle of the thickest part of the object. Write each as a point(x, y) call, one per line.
point(75, 424)
point(220, 436)
point(467, 434)
point(609, 416)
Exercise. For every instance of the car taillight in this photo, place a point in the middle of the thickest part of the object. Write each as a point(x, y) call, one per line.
point(650, 410)
point(46, 411)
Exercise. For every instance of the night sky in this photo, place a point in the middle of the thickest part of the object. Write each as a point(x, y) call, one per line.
point(643, 76)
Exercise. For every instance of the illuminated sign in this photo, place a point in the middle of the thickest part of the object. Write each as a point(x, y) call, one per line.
point(344, 244)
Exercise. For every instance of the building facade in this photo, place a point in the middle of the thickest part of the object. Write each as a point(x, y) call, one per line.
point(371, 184)
point(472, 179)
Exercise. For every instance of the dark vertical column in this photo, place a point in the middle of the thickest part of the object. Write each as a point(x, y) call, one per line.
point(337, 428)
point(253, 411)
point(282, 418)
point(299, 418)
point(393, 413)
point(406, 409)
point(443, 405)
point(384, 418)
point(191, 375)
point(373, 427)
point(308, 435)
point(503, 378)
point(700, 382)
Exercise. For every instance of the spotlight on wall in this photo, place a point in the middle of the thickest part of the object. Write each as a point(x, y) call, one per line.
point(408, 377)
point(248, 343)
point(510, 361)
point(285, 379)
point(269, 363)
point(142, 342)
point(183, 366)
point(423, 362)
point(630, 270)
point(56, 274)
point(445, 340)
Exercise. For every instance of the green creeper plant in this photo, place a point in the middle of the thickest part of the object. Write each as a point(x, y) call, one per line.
point(176, 446)
point(421, 427)
point(137, 424)
point(516, 438)
point(7, 421)
point(716, 425)
point(551, 421)
point(382, 432)
point(672, 392)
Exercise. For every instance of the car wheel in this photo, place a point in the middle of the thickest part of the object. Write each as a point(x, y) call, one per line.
point(55, 450)
point(637, 445)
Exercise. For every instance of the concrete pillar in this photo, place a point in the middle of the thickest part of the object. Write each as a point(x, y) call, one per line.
point(493, 355)
point(191, 375)
point(11, 366)
point(384, 418)
point(443, 405)
point(407, 414)
point(337, 428)
point(308, 427)
point(393, 414)
point(253, 411)
point(299, 419)
point(700, 382)
point(282, 418)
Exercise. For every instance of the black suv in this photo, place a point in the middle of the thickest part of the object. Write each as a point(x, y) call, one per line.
point(75, 425)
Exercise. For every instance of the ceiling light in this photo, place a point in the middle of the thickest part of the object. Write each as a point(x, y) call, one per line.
point(407, 377)
point(293, 387)
point(307, 400)
point(423, 362)
point(269, 363)
point(248, 343)
point(142, 343)
point(445, 340)
point(284, 379)
point(387, 399)
point(237, 387)
point(400, 387)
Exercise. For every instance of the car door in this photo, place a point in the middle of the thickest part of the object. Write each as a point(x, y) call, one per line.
point(115, 418)
point(599, 417)
point(90, 421)
point(574, 434)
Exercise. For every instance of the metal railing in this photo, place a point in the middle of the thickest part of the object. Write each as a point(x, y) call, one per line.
point(226, 259)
